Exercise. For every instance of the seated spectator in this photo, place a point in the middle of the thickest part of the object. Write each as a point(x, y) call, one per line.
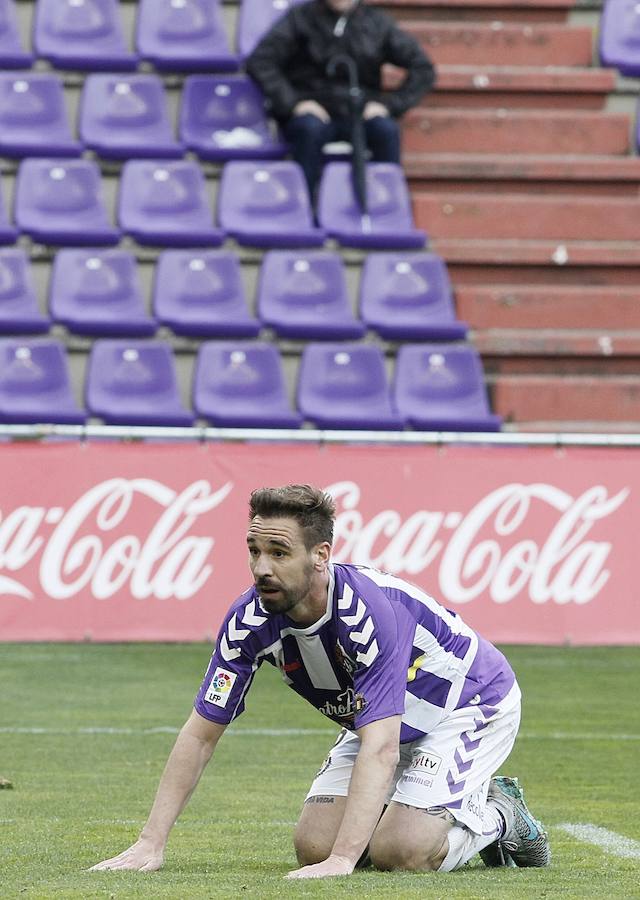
point(310, 97)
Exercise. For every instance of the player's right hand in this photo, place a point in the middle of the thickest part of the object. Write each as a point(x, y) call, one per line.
point(141, 857)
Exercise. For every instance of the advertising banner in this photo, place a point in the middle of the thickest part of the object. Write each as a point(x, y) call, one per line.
point(115, 541)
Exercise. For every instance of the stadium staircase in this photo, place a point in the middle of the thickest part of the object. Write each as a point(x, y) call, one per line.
point(523, 172)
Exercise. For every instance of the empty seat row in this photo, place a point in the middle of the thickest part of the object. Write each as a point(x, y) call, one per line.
point(172, 35)
point(300, 295)
point(166, 203)
point(242, 384)
point(620, 36)
point(124, 116)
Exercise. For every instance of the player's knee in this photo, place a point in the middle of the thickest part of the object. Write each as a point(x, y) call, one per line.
point(389, 852)
point(310, 847)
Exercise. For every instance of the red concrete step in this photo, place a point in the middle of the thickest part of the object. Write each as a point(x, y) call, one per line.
point(546, 342)
point(479, 10)
point(571, 398)
point(519, 131)
point(504, 43)
point(513, 306)
point(525, 217)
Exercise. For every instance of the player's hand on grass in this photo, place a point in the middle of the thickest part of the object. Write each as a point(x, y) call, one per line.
point(334, 865)
point(140, 857)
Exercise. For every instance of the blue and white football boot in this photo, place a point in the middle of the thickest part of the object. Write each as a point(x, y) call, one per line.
point(524, 842)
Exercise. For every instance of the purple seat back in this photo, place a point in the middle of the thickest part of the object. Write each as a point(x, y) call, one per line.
point(345, 386)
point(98, 292)
point(256, 18)
point(134, 383)
point(266, 204)
point(223, 117)
point(202, 294)
point(184, 35)
point(126, 115)
point(407, 296)
point(19, 310)
point(390, 219)
point(33, 116)
point(61, 201)
point(620, 36)
point(441, 387)
point(12, 54)
point(81, 34)
point(304, 295)
point(166, 203)
point(241, 385)
point(34, 383)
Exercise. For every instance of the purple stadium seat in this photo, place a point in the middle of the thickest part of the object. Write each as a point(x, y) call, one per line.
point(620, 36)
point(442, 388)
point(266, 204)
point(127, 115)
point(202, 295)
point(166, 204)
point(98, 292)
point(8, 233)
point(223, 117)
point(19, 311)
point(407, 296)
point(12, 54)
point(345, 386)
point(389, 208)
point(33, 116)
point(81, 34)
point(256, 18)
point(60, 201)
point(34, 384)
point(304, 295)
point(184, 35)
point(241, 385)
point(134, 383)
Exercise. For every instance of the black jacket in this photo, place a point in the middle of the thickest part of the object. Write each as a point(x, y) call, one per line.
point(290, 62)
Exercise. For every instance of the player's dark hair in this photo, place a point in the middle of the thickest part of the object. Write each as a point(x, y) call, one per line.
point(310, 507)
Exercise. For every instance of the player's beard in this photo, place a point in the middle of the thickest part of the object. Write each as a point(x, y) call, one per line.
point(288, 597)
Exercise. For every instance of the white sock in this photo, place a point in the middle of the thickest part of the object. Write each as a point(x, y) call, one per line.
point(464, 843)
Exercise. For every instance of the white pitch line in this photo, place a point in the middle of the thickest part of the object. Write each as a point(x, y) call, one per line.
point(576, 736)
point(609, 841)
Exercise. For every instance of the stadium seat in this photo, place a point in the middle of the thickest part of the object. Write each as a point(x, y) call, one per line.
point(345, 386)
point(241, 385)
point(98, 292)
point(439, 387)
point(8, 233)
point(123, 116)
point(184, 36)
point(134, 383)
point(255, 18)
point(304, 295)
point(202, 295)
point(60, 201)
point(223, 117)
point(166, 204)
point(620, 36)
point(19, 310)
point(266, 204)
point(33, 116)
point(407, 296)
point(34, 383)
point(12, 53)
point(81, 34)
point(389, 208)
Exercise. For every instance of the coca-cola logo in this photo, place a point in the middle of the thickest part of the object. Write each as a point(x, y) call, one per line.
point(76, 554)
point(489, 549)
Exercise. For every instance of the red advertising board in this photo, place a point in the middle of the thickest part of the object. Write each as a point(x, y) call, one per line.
point(110, 541)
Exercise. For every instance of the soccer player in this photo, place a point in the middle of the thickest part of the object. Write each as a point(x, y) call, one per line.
point(429, 709)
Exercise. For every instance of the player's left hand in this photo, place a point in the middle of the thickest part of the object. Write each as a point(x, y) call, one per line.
point(373, 109)
point(334, 865)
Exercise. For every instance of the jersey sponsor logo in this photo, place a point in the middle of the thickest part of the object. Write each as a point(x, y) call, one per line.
point(345, 706)
point(220, 687)
point(426, 762)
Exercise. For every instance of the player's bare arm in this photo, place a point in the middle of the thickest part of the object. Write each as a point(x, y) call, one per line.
point(191, 753)
point(372, 773)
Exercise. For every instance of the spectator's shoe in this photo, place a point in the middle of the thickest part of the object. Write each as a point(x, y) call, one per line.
point(524, 842)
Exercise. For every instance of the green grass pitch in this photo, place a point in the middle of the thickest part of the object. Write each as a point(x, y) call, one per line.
point(85, 731)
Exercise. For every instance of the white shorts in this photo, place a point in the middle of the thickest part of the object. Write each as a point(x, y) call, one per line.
point(451, 766)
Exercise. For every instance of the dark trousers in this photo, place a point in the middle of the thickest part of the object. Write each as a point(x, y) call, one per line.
point(308, 134)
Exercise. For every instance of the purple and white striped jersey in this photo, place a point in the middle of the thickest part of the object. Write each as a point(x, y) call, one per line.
point(382, 648)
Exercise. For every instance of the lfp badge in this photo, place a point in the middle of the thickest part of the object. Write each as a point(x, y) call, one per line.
point(220, 687)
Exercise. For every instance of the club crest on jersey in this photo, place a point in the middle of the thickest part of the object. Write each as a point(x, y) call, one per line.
point(220, 687)
point(344, 661)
